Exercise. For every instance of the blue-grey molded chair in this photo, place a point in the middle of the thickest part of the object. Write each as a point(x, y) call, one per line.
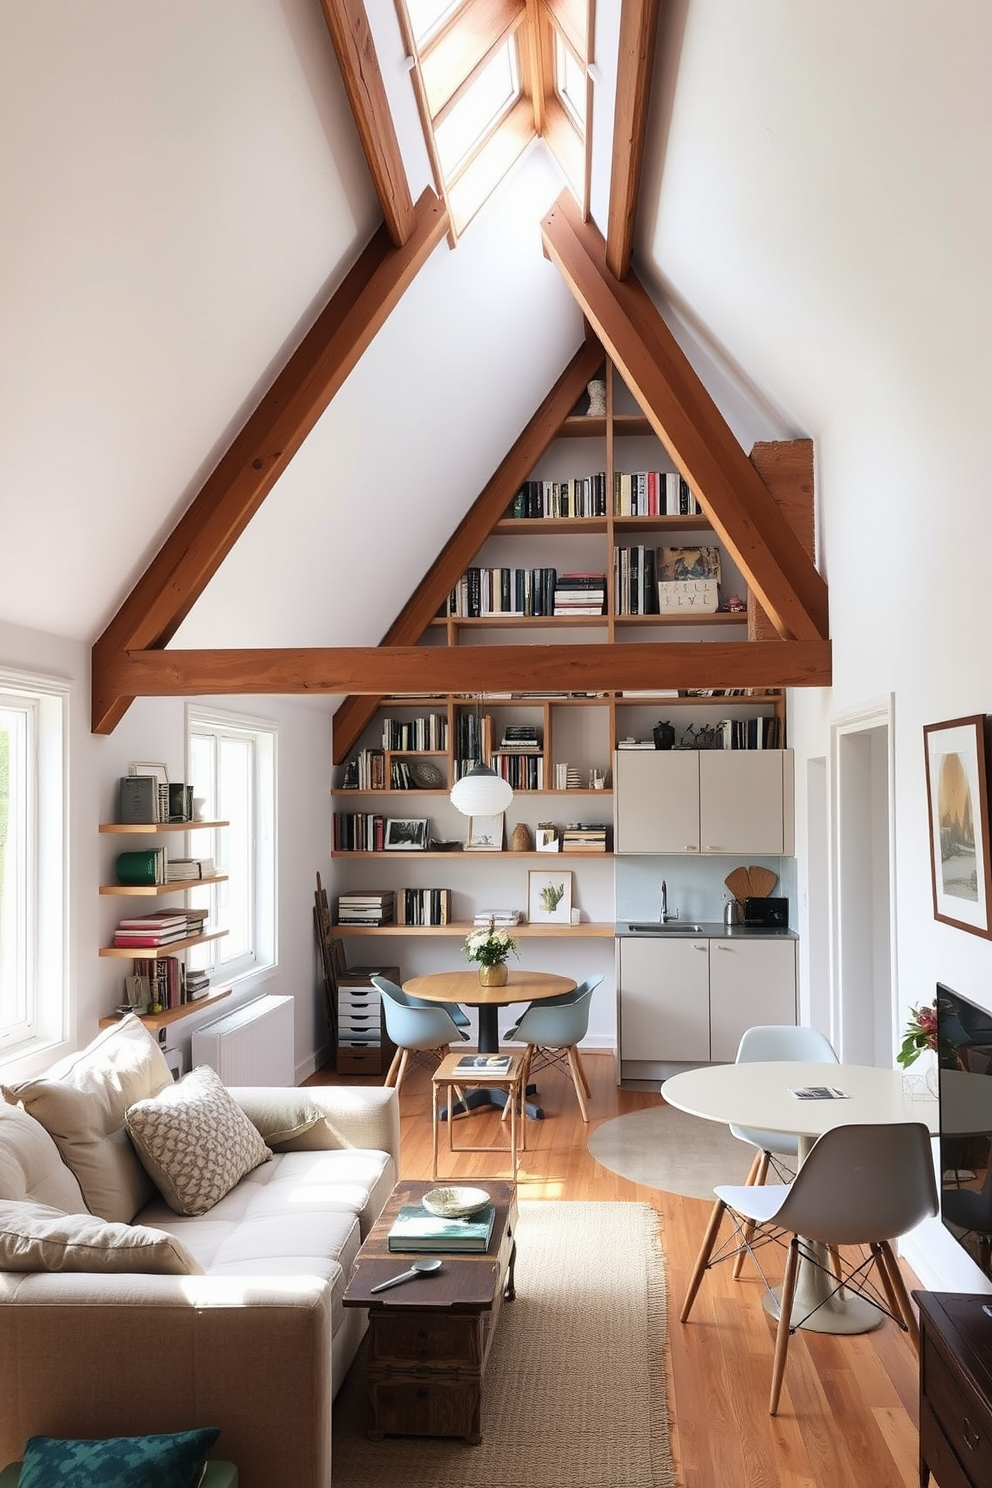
point(415, 1031)
point(455, 1013)
point(861, 1185)
point(778, 1041)
point(552, 1030)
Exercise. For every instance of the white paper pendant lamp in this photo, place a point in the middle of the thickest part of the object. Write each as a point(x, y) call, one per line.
point(481, 792)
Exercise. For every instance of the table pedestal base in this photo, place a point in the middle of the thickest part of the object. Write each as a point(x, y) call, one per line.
point(478, 1098)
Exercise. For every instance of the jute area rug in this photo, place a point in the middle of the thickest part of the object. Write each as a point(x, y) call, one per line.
point(574, 1392)
point(661, 1147)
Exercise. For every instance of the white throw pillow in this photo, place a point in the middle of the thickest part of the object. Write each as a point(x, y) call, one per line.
point(81, 1103)
point(35, 1237)
point(195, 1141)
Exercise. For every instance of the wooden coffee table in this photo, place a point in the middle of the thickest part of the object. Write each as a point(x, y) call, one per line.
point(429, 1339)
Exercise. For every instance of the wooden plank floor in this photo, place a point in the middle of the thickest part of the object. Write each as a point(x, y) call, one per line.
point(848, 1416)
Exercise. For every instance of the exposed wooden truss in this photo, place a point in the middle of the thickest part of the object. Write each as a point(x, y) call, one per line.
point(691, 427)
point(259, 454)
point(638, 29)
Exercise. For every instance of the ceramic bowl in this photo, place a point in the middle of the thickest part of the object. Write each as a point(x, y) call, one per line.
point(454, 1203)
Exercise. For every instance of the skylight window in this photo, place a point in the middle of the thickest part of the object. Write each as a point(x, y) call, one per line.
point(428, 16)
point(479, 109)
point(570, 81)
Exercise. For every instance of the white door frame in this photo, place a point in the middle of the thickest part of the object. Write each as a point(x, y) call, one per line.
point(862, 747)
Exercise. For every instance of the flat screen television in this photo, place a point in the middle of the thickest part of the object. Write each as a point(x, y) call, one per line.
point(964, 1059)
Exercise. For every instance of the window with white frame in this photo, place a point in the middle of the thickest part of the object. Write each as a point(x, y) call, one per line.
point(232, 768)
point(33, 835)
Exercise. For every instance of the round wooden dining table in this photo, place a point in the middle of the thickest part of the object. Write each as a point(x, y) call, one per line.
point(464, 987)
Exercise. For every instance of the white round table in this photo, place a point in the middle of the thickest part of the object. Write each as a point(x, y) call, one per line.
point(759, 1095)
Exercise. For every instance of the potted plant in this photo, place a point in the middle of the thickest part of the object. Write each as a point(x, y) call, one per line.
point(490, 947)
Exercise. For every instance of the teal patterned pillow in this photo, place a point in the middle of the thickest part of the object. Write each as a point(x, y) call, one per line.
point(173, 1460)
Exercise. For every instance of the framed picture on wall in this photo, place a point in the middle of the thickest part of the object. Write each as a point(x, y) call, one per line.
point(406, 834)
point(549, 897)
point(957, 800)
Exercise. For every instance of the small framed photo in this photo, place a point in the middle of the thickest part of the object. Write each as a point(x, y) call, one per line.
point(957, 796)
point(143, 767)
point(546, 839)
point(485, 833)
point(406, 834)
point(549, 897)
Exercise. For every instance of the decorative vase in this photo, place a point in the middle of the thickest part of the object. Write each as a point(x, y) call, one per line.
point(597, 398)
point(521, 840)
point(920, 1081)
point(493, 976)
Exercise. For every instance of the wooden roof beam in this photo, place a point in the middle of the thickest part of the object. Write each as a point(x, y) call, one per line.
point(258, 455)
point(348, 24)
point(435, 670)
point(354, 713)
point(635, 64)
point(689, 424)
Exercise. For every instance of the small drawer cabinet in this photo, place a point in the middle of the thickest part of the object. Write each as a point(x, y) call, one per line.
point(364, 1046)
point(955, 1389)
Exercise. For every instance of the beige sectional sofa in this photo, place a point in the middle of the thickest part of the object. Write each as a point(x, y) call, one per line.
point(121, 1316)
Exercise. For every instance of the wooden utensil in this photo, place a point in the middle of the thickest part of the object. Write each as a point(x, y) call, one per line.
point(762, 881)
point(738, 882)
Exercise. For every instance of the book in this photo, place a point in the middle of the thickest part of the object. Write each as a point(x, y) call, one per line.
point(818, 1092)
point(143, 866)
point(415, 1229)
point(484, 1064)
point(137, 799)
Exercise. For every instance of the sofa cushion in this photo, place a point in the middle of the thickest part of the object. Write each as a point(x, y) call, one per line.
point(36, 1237)
point(31, 1165)
point(277, 1114)
point(172, 1460)
point(194, 1141)
point(81, 1101)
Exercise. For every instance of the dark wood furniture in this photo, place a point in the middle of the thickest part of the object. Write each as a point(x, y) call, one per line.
point(955, 1388)
point(429, 1339)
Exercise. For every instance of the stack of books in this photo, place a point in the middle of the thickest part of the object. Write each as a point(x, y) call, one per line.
point(366, 907)
point(500, 918)
point(179, 869)
point(580, 594)
point(484, 1064)
point(522, 736)
point(157, 929)
point(587, 837)
point(414, 1229)
point(195, 984)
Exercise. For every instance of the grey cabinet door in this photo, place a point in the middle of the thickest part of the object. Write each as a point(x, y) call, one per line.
point(751, 982)
point(664, 1007)
point(656, 801)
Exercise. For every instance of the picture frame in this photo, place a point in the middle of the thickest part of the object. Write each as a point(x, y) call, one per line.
point(956, 757)
point(546, 840)
point(485, 833)
point(146, 767)
point(543, 888)
point(405, 834)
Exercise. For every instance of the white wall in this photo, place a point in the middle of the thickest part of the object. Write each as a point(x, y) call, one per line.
point(822, 216)
point(152, 729)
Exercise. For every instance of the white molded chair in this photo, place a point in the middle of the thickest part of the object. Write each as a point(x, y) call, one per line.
point(777, 1041)
point(552, 1030)
point(416, 1031)
point(457, 1014)
point(861, 1185)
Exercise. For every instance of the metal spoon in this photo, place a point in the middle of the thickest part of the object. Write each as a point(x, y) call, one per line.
point(419, 1268)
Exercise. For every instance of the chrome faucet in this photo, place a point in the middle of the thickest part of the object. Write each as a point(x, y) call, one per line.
point(665, 916)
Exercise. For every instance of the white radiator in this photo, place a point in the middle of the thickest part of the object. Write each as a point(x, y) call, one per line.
point(253, 1045)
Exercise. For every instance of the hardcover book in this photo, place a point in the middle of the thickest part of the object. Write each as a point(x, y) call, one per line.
point(415, 1229)
point(484, 1064)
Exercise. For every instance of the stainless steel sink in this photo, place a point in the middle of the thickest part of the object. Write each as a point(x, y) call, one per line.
point(670, 927)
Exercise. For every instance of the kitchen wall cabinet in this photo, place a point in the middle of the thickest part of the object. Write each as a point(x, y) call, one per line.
point(707, 801)
point(686, 999)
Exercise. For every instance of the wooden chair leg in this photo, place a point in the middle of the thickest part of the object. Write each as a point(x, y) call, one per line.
point(401, 1068)
point(391, 1072)
point(578, 1081)
point(755, 1178)
point(903, 1308)
point(702, 1259)
point(582, 1070)
point(755, 1169)
point(784, 1324)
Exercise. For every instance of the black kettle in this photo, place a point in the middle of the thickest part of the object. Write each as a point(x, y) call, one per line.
point(664, 736)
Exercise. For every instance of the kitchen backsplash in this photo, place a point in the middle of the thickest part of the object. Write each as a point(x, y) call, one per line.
point(695, 885)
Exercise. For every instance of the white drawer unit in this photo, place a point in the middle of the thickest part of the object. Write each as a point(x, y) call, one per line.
point(364, 1047)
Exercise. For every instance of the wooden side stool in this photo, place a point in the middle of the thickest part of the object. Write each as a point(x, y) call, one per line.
point(445, 1081)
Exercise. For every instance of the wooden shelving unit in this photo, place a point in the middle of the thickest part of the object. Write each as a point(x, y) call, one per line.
point(156, 1021)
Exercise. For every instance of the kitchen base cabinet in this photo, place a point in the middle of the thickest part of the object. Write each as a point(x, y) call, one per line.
point(685, 999)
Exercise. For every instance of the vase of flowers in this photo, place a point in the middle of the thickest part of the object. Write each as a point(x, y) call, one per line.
point(918, 1053)
point(490, 948)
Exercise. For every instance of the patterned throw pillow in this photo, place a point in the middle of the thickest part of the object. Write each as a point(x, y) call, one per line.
point(173, 1460)
point(194, 1141)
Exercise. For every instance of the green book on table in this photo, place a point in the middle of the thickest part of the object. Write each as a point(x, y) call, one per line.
point(415, 1229)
